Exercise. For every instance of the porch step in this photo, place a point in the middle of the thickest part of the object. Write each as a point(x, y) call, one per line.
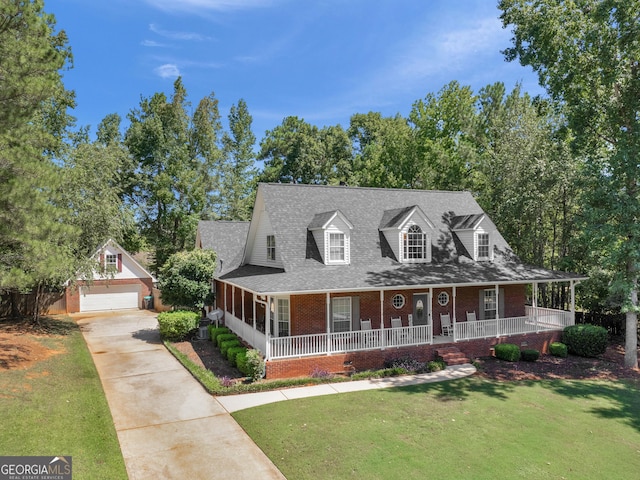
point(452, 356)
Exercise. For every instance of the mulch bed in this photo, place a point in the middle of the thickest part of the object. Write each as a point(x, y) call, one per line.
point(609, 366)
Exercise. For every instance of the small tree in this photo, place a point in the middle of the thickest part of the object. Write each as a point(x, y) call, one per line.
point(185, 279)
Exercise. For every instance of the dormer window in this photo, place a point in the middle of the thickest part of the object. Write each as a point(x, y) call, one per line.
point(336, 247)
point(415, 244)
point(483, 246)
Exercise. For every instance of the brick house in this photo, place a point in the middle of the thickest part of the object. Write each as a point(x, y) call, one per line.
point(341, 278)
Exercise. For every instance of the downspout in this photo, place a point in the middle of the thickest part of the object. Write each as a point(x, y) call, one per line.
point(267, 329)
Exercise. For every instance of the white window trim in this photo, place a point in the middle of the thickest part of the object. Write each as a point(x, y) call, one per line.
point(333, 318)
point(495, 300)
point(489, 257)
point(426, 244)
point(271, 248)
point(277, 313)
point(346, 240)
point(404, 301)
point(445, 303)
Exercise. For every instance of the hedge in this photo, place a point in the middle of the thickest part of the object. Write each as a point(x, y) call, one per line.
point(530, 354)
point(223, 337)
point(176, 325)
point(558, 349)
point(507, 351)
point(233, 352)
point(227, 344)
point(585, 340)
point(215, 331)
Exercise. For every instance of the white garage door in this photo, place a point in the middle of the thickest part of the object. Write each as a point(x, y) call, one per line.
point(112, 297)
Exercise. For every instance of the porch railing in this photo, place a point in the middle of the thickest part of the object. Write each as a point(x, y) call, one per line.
point(535, 320)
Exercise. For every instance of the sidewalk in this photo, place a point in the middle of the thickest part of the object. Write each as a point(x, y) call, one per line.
point(233, 403)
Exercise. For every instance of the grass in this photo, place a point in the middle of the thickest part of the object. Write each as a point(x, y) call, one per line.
point(464, 429)
point(57, 407)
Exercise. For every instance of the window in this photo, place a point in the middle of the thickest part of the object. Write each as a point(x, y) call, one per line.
point(271, 247)
point(336, 247)
point(398, 301)
point(489, 304)
point(283, 317)
point(443, 299)
point(415, 244)
point(483, 245)
point(341, 314)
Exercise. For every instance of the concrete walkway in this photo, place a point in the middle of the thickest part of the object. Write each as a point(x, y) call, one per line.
point(168, 425)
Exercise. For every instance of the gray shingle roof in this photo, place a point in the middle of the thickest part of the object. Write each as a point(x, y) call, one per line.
point(293, 208)
point(464, 222)
point(227, 239)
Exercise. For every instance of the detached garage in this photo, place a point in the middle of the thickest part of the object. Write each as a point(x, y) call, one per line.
point(120, 283)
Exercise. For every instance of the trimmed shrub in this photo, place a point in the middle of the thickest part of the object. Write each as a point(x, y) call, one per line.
point(585, 340)
point(227, 344)
point(215, 331)
point(530, 354)
point(255, 365)
point(558, 349)
point(507, 351)
point(241, 362)
point(223, 337)
point(176, 325)
point(233, 352)
point(436, 365)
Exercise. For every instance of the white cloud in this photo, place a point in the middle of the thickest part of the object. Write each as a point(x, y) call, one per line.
point(196, 6)
point(152, 43)
point(168, 70)
point(174, 35)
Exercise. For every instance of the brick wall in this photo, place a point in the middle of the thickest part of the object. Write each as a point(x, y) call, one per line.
point(374, 359)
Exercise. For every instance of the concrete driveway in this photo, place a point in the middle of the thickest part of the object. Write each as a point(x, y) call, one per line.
point(167, 425)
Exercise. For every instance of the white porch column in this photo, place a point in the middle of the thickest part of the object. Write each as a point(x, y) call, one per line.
point(573, 302)
point(534, 300)
point(267, 329)
point(328, 316)
point(430, 317)
point(382, 317)
point(454, 313)
point(253, 304)
point(498, 309)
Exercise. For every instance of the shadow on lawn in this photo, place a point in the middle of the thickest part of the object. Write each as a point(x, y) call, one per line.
point(623, 396)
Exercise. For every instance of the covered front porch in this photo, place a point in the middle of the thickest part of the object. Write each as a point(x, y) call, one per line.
point(535, 320)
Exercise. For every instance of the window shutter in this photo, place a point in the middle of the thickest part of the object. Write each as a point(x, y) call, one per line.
point(501, 302)
point(119, 262)
point(355, 313)
point(102, 266)
point(481, 304)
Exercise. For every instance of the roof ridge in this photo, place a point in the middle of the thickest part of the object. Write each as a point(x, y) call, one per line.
point(355, 187)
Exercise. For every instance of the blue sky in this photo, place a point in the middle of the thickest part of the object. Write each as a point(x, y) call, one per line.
point(321, 60)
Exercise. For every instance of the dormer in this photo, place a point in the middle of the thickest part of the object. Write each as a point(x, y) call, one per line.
point(409, 233)
point(332, 233)
point(475, 233)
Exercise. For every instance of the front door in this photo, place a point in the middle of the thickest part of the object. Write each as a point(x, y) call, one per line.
point(421, 309)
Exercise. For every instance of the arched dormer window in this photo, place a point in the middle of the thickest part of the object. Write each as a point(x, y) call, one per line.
point(415, 244)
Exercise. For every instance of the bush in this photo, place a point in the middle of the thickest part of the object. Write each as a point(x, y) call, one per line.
point(223, 337)
point(215, 331)
point(436, 366)
point(227, 344)
point(558, 349)
point(241, 362)
point(318, 372)
point(176, 325)
point(508, 352)
point(530, 355)
point(585, 340)
point(233, 352)
point(406, 362)
point(255, 365)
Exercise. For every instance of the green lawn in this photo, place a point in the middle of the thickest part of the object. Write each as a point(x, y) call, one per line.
point(57, 407)
point(469, 428)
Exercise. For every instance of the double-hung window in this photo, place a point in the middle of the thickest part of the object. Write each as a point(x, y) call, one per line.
point(111, 262)
point(489, 304)
point(415, 244)
point(336, 247)
point(271, 247)
point(283, 317)
point(341, 314)
point(483, 246)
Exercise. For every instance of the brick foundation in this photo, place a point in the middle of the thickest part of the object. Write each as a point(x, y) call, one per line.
point(374, 359)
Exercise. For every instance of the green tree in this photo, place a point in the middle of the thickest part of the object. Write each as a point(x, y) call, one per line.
point(298, 152)
point(36, 245)
point(586, 54)
point(185, 279)
point(174, 159)
point(239, 169)
point(382, 151)
point(443, 127)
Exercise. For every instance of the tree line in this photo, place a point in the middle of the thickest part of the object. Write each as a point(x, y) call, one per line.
point(558, 175)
